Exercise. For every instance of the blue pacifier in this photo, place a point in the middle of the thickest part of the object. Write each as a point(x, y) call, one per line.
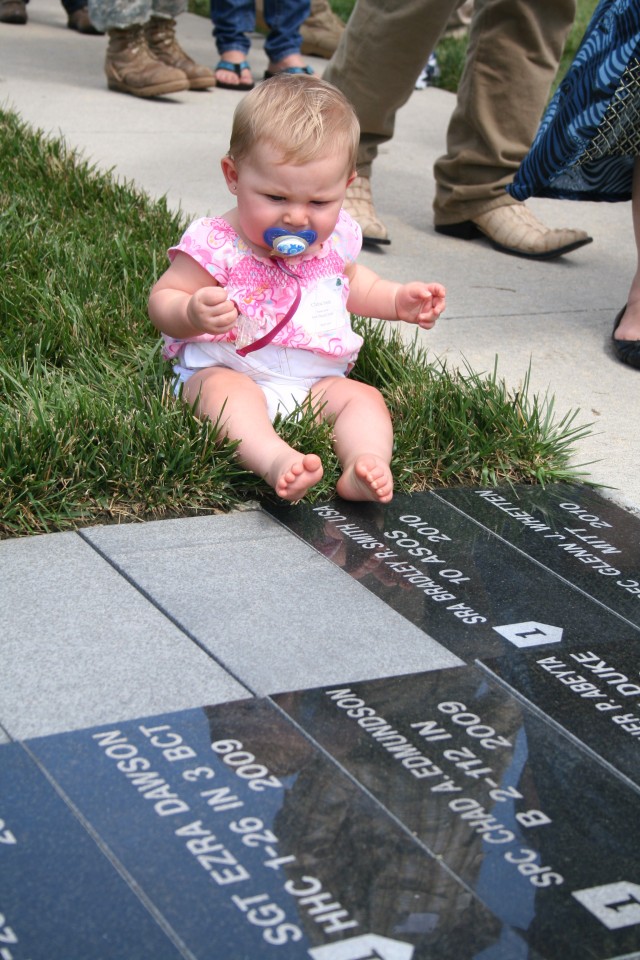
point(289, 244)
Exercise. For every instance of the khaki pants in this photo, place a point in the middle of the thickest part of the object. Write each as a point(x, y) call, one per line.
point(513, 55)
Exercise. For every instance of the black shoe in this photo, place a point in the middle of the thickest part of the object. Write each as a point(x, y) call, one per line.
point(79, 20)
point(13, 11)
point(626, 350)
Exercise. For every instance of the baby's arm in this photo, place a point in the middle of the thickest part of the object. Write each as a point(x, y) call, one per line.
point(186, 301)
point(371, 296)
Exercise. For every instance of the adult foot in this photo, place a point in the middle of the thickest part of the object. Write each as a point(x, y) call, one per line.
point(294, 474)
point(626, 335)
point(321, 31)
point(237, 75)
point(79, 20)
point(163, 44)
point(367, 478)
point(13, 11)
point(291, 64)
point(628, 323)
point(358, 202)
point(514, 229)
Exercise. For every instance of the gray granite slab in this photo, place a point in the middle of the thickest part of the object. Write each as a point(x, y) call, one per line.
point(274, 612)
point(81, 646)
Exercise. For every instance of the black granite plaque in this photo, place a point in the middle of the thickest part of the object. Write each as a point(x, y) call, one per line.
point(520, 813)
point(573, 531)
point(593, 693)
point(455, 579)
point(60, 896)
point(251, 843)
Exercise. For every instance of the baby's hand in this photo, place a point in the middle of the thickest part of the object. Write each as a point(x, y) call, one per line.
point(420, 303)
point(210, 311)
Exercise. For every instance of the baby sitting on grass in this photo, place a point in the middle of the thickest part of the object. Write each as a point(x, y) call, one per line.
point(255, 306)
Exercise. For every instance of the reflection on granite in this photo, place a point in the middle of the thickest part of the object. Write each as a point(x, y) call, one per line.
point(250, 842)
point(573, 531)
point(453, 578)
point(60, 897)
point(520, 814)
point(593, 693)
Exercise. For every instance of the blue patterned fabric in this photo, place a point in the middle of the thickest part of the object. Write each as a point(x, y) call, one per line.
point(590, 134)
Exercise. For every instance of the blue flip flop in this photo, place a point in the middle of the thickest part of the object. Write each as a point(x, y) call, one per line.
point(268, 74)
point(233, 68)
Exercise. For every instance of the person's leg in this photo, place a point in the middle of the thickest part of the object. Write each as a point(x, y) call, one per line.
point(129, 65)
point(78, 16)
point(282, 45)
point(514, 50)
point(321, 31)
point(241, 406)
point(627, 326)
point(112, 15)
point(380, 56)
point(233, 21)
point(363, 437)
point(13, 11)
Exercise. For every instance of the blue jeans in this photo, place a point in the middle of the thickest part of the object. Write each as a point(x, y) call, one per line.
point(233, 20)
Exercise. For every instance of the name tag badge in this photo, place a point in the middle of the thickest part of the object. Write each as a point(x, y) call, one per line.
point(321, 309)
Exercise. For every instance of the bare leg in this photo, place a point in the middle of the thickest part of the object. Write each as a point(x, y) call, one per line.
point(245, 418)
point(363, 438)
point(629, 326)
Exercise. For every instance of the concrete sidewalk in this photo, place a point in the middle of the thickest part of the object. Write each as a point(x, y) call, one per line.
point(113, 622)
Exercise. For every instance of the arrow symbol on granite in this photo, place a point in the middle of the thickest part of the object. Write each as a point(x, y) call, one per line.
point(530, 633)
point(370, 946)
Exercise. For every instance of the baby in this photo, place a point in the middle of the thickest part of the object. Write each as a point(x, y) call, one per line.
point(255, 306)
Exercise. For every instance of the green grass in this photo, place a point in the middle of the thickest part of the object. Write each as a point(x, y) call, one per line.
point(89, 428)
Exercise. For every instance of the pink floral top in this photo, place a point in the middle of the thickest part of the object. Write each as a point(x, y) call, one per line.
point(263, 292)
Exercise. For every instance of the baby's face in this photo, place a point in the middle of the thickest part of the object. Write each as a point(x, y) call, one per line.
point(291, 196)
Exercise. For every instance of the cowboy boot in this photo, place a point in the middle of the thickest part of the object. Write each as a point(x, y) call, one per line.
point(358, 202)
point(513, 228)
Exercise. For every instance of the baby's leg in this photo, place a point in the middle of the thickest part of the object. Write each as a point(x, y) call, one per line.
point(363, 437)
point(245, 418)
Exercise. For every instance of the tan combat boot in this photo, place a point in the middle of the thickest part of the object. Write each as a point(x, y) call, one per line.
point(321, 31)
point(131, 68)
point(161, 37)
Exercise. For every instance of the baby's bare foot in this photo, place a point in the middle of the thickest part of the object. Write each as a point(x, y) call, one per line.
point(294, 476)
point(367, 478)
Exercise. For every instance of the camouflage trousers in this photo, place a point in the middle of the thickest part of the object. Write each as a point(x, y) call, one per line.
point(119, 14)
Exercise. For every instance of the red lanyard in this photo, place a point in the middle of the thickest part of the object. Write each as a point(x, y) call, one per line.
point(268, 337)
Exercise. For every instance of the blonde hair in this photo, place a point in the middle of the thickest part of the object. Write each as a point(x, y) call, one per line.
point(301, 116)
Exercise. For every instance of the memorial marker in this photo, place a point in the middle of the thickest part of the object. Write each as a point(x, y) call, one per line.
point(539, 829)
point(573, 531)
point(484, 812)
point(593, 693)
point(455, 579)
point(250, 842)
point(61, 898)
